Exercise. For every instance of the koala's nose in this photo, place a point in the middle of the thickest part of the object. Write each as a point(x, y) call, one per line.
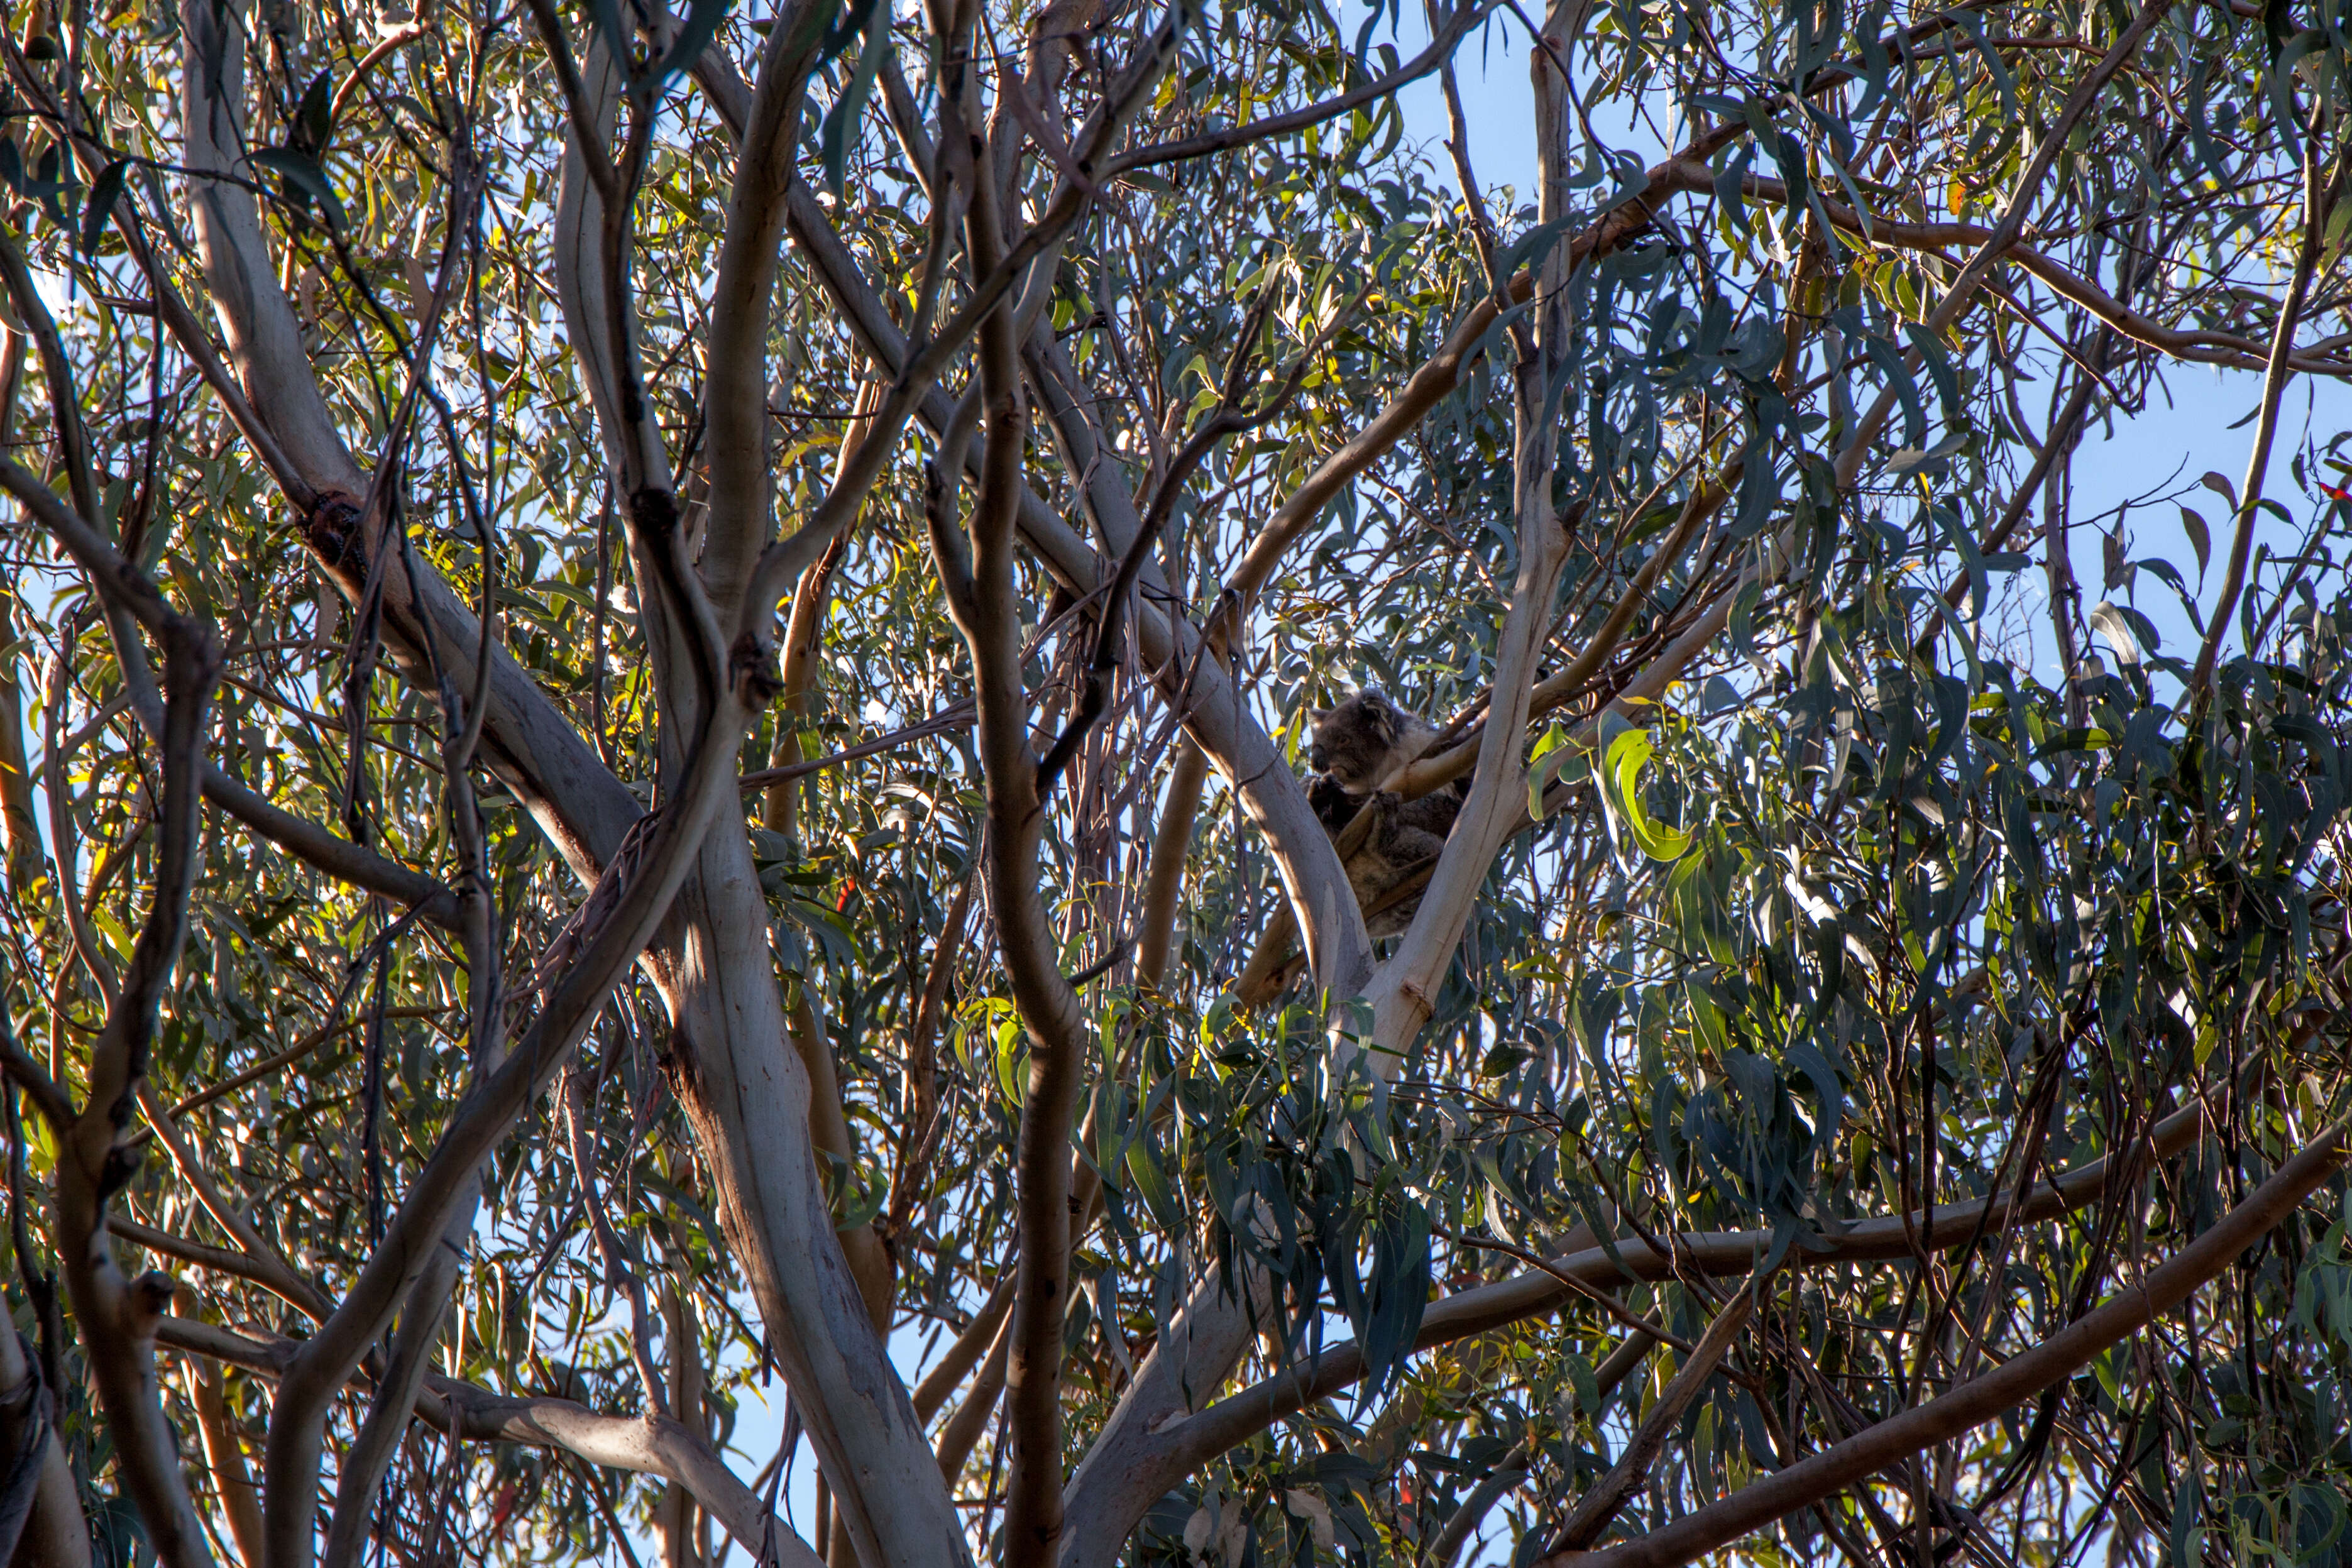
point(1318, 760)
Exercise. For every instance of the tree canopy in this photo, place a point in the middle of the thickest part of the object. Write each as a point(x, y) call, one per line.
point(655, 750)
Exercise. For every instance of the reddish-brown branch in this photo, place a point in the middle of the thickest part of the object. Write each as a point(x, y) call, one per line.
point(988, 616)
point(2229, 349)
point(1176, 1451)
point(1598, 1507)
point(1940, 1420)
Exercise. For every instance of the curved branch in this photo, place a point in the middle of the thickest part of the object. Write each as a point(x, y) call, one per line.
point(265, 341)
point(1631, 1471)
point(1214, 714)
point(117, 1315)
point(1440, 49)
point(1171, 843)
point(931, 1394)
point(1126, 1471)
point(393, 37)
point(323, 849)
point(2275, 372)
point(126, 590)
point(2228, 349)
point(204, 1255)
point(988, 615)
point(737, 425)
point(1194, 680)
point(360, 1476)
point(272, 393)
point(961, 1432)
point(659, 1446)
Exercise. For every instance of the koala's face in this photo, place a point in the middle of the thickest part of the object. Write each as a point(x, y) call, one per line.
point(1354, 741)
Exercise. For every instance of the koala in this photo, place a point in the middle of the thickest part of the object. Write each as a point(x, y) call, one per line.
point(1360, 748)
point(1364, 742)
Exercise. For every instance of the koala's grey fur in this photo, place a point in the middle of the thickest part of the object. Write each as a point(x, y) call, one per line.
point(1365, 741)
point(1360, 748)
point(1406, 836)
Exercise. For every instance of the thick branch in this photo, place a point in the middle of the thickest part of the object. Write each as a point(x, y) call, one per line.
point(118, 1317)
point(735, 390)
point(1402, 987)
point(573, 798)
point(988, 614)
point(643, 885)
point(1215, 717)
point(359, 1477)
point(964, 1353)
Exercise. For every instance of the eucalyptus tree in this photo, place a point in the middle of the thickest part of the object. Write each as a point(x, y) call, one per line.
point(653, 770)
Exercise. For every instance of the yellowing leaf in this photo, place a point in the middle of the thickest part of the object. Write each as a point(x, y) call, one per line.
point(1621, 779)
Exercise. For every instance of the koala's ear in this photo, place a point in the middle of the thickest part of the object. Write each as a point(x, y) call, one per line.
point(1317, 715)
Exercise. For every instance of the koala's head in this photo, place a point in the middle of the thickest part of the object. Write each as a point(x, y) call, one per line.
point(1358, 742)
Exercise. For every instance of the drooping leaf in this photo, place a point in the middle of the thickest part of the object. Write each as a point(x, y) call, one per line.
point(299, 174)
point(104, 192)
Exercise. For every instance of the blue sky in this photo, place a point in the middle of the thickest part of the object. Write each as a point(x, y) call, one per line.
point(2147, 460)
